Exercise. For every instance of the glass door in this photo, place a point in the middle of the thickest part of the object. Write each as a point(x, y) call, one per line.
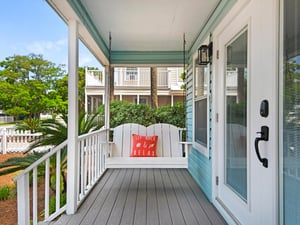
point(246, 82)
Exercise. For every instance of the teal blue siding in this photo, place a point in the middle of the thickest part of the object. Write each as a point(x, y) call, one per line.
point(200, 169)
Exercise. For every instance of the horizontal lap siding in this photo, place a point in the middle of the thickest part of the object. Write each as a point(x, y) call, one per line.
point(200, 169)
point(199, 165)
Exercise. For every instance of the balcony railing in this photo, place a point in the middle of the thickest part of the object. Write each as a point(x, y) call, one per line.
point(165, 78)
point(50, 169)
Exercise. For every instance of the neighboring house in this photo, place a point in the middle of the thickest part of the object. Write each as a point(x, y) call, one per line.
point(242, 105)
point(5, 118)
point(132, 84)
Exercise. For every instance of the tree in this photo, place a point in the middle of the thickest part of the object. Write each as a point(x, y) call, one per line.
point(28, 86)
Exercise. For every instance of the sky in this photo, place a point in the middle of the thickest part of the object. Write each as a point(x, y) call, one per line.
point(32, 26)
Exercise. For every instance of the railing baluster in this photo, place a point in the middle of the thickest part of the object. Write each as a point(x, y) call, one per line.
point(93, 158)
point(82, 167)
point(34, 197)
point(47, 186)
point(57, 186)
point(89, 164)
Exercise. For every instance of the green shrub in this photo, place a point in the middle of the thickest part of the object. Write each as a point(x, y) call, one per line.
point(124, 112)
point(4, 192)
point(171, 114)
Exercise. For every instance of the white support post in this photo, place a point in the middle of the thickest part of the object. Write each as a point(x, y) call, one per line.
point(107, 96)
point(72, 118)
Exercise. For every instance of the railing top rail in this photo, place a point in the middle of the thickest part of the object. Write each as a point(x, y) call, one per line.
point(43, 158)
point(91, 133)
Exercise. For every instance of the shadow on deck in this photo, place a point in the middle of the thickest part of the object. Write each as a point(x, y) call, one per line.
point(145, 196)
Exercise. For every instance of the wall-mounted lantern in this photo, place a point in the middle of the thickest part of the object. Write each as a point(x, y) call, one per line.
point(205, 54)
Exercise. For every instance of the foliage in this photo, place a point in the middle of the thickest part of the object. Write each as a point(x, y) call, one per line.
point(172, 114)
point(18, 163)
point(291, 95)
point(4, 192)
point(55, 131)
point(28, 85)
point(52, 203)
point(32, 124)
point(125, 112)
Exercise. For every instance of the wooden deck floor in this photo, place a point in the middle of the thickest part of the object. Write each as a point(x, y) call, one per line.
point(145, 197)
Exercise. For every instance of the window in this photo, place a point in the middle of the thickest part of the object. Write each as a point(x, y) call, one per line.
point(131, 73)
point(201, 77)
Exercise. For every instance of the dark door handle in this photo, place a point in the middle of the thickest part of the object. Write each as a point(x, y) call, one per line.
point(264, 136)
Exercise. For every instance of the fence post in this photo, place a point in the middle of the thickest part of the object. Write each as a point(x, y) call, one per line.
point(4, 141)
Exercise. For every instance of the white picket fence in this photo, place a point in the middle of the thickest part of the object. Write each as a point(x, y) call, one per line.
point(13, 141)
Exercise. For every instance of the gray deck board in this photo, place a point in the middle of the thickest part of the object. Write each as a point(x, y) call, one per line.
point(145, 197)
point(129, 208)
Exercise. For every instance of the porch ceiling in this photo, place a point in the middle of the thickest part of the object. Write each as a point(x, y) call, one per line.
point(142, 30)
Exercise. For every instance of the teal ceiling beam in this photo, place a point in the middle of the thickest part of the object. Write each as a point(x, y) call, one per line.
point(147, 57)
point(87, 21)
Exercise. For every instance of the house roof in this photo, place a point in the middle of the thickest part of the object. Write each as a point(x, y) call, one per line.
point(142, 31)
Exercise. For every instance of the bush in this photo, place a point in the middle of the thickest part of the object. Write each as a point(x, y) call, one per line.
point(4, 192)
point(124, 112)
point(171, 114)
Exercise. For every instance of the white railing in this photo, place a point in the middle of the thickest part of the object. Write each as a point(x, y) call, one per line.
point(91, 161)
point(53, 165)
point(18, 141)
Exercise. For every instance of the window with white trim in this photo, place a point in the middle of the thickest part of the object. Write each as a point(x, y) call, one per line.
point(201, 81)
point(131, 73)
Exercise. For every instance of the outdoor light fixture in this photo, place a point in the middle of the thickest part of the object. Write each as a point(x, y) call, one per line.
point(205, 54)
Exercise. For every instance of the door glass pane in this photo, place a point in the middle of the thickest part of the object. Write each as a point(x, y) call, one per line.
point(236, 115)
point(291, 114)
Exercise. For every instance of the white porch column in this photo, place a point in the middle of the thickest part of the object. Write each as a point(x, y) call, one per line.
point(72, 118)
point(172, 100)
point(107, 96)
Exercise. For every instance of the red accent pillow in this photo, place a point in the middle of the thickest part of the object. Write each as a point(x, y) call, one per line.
point(143, 146)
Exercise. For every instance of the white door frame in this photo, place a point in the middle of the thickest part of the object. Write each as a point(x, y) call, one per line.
point(263, 39)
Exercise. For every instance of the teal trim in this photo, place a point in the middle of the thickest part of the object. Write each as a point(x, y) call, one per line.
point(90, 26)
point(155, 57)
point(147, 57)
point(220, 11)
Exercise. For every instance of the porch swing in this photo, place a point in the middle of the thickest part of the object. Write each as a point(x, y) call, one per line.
point(131, 143)
point(170, 151)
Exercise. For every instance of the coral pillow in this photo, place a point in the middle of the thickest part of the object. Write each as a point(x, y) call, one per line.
point(143, 146)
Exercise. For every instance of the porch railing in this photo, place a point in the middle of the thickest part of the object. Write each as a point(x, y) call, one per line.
point(48, 176)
